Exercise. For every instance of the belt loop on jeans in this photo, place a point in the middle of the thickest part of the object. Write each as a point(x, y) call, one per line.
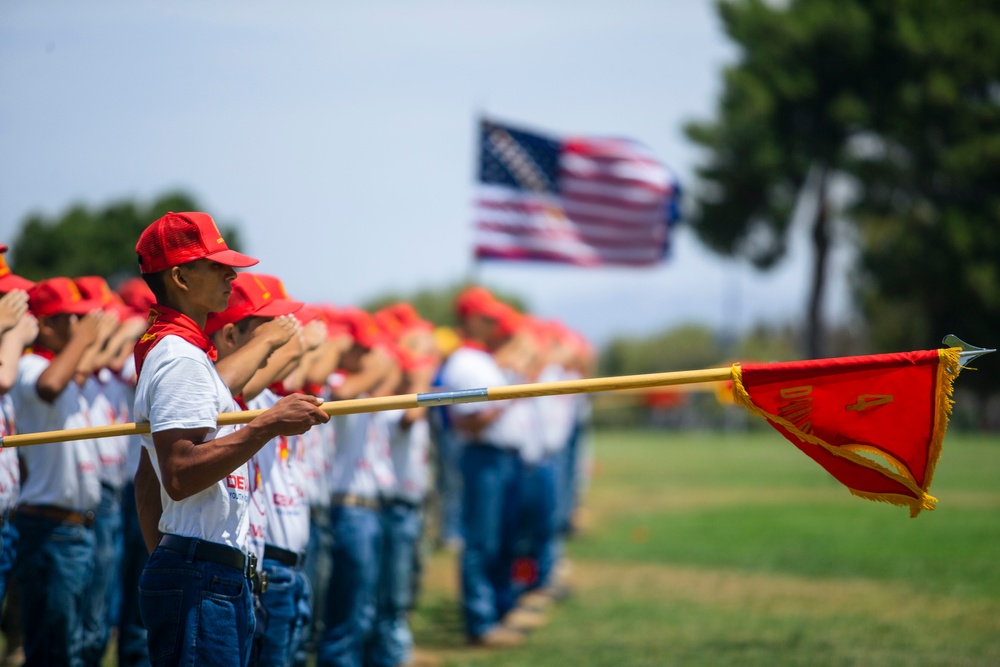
point(192, 547)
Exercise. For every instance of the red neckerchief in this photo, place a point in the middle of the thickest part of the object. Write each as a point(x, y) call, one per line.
point(165, 321)
point(278, 388)
point(42, 351)
point(474, 345)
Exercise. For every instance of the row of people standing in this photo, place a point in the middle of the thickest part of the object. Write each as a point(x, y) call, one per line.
point(66, 361)
point(327, 512)
point(244, 530)
point(519, 461)
point(290, 488)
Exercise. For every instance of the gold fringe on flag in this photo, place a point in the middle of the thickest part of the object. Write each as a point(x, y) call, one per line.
point(947, 370)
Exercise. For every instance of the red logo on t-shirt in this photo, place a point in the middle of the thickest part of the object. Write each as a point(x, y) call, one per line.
point(238, 482)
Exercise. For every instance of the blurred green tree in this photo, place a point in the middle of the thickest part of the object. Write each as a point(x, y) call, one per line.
point(686, 347)
point(789, 106)
point(927, 206)
point(94, 240)
point(900, 102)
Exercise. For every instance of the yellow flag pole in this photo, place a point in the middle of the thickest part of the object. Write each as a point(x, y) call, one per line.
point(406, 401)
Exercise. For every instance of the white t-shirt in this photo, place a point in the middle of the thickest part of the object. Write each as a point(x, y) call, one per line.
point(285, 505)
point(179, 388)
point(315, 449)
point(10, 469)
point(63, 474)
point(559, 412)
point(520, 424)
point(361, 465)
point(410, 448)
point(134, 447)
point(256, 511)
point(470, 368)
point(106, 398)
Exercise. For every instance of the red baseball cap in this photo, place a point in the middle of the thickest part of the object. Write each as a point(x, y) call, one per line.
point(478, 301)
point(8, 280)
point(137, 295)
point(97, 289)
point(273, 284)
point(306, 314)
point(334, 325)
point(178, 238)
point(509, 321)
point(250, 298)
point(409, 318)
point(59, 295)
point(386, 319)
point(362, 327)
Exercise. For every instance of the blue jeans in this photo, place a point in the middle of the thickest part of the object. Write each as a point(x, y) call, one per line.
point(317, 571)
point(489, 524)
point(350, 600)
point(103, 590)
point(54, 566)
point(197, 612)
point(285, 613)
point(392, 642)
point(538, 542)
point(568, 480)
point(132, 648)
point(449, 475)
point(8, 555)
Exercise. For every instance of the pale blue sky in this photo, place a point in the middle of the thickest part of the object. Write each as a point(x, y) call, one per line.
point(340, 136)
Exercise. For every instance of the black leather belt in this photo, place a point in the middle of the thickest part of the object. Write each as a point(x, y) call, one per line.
point(489, 445)
point(205, 550)
point(54, 513)
point(284, 556)
point(408, 504)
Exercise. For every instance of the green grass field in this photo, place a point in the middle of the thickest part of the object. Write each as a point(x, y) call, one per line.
point(710, 549)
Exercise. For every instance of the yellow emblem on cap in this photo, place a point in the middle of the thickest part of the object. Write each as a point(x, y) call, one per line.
point(264, 293)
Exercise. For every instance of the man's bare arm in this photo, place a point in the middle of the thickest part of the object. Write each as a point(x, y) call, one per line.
point(60, 372)
point(147, 501)
point(374, 368)
point(189, 465)
point(239, 367)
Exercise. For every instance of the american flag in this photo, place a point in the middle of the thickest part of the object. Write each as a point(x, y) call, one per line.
point(583, 201)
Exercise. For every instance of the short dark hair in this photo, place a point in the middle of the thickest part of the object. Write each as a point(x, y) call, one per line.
point(243, 325)
point(157, 286)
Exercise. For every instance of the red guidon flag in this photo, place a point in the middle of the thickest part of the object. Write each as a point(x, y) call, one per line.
point(874, 422)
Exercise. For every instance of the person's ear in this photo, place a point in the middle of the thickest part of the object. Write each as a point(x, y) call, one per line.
point(176, 276)
point(230, 335)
